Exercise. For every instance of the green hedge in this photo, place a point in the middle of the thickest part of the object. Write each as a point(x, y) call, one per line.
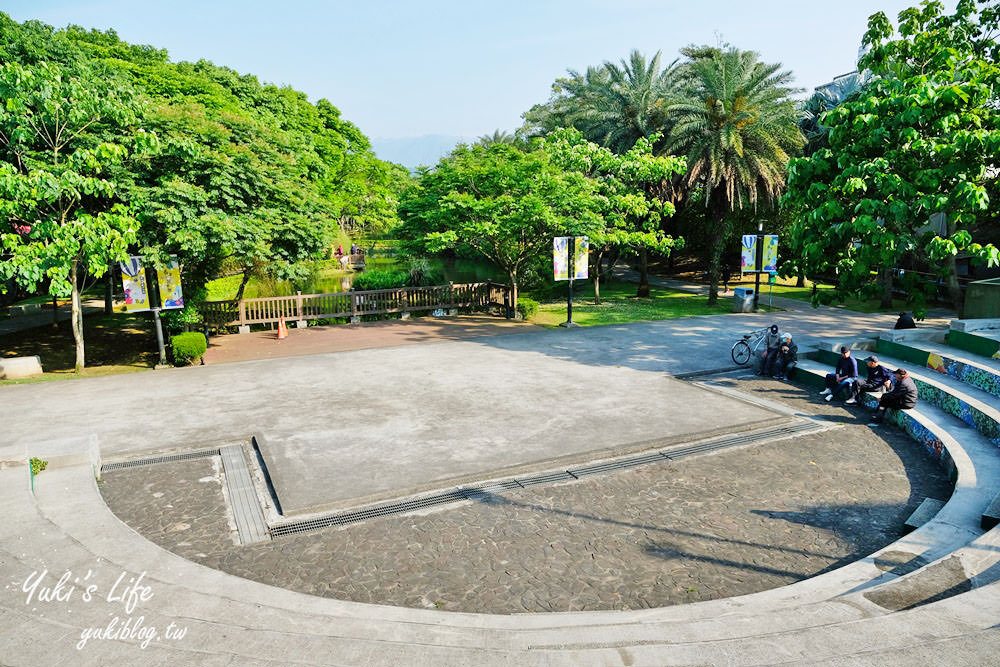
point(527, 307)
point(188, 347)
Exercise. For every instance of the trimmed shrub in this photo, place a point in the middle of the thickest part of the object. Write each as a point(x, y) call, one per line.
point(527, 307)
point(380, 279)
point(188, 347)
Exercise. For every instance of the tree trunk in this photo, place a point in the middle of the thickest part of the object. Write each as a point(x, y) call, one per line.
point(800, 280)
point(55, 311)
point(885, 283)
point(512, 276)
point(955, 294)
point(643, 290)
point(718, 238)
point(77, 317)
point(109, 292)
point(243, 284)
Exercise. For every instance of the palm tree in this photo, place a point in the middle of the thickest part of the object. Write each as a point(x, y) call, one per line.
point(612, 105)
point(498, 137)
point(736, 125)
point(825, 98)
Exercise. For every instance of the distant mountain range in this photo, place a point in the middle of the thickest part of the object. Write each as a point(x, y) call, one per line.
point(411, 152)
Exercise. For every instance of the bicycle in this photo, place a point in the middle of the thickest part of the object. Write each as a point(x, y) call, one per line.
point(744, 349)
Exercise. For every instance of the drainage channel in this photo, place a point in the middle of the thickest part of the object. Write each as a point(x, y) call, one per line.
point(480, 492)
point(135, 463)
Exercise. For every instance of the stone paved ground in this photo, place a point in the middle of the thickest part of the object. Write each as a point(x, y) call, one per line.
point(721, 525)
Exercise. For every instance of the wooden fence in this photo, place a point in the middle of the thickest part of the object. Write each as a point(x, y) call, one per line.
point(263, 310)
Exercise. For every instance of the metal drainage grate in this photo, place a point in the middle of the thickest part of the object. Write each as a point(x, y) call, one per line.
point(121, 465)
point(485, 490)
point(737, 440)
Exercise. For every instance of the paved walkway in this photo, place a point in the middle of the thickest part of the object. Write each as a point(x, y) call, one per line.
point(342, 338)
point(10, 325)
point(66, 527)
point(729, 524)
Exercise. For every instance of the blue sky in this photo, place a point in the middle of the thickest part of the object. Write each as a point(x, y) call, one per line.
point(401, 69)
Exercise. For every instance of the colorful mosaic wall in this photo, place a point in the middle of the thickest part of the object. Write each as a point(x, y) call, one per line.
point(932, 444)
point(959, 408)
point(975, 376)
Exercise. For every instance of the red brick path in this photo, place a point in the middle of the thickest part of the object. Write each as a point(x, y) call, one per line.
point(341, 337)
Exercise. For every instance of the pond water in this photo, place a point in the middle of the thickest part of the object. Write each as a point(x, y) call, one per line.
point(328, 278)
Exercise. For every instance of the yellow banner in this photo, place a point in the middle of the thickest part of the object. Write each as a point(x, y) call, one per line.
point(134, 284)
point(581, 260)
point(169, 279)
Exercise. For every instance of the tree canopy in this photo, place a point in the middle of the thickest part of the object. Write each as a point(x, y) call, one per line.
point(246, 176)
point(923, 139)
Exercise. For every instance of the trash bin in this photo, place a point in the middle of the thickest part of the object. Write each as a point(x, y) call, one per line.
point(743, 300)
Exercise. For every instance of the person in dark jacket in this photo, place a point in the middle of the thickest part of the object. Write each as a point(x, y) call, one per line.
point(905, 322)
point(772, 342)
point(902, 397)
point(787, 357)
point(844, 377)
point(879, 379)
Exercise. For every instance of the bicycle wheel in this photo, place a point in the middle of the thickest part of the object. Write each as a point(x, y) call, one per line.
point(741, 353)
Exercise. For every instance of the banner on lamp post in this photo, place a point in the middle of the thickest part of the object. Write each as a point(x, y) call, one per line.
point(134, 285)
point(169, 281)
point(560, 258)
point(770, 263)
point(748, 262)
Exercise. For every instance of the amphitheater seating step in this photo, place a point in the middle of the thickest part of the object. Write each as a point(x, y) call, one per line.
point(926, 511)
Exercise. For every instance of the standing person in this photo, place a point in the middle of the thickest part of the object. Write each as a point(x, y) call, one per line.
point(772, 341)
point(843, 378)
point(788, 356)
point(905, 322)
point(879, 379)
point(902, 397)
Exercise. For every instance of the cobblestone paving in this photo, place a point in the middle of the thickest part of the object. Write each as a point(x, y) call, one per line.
point(716, 526)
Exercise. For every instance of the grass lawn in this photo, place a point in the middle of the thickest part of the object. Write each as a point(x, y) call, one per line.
point(786, 288)
point(619, 304)
point(119, 343)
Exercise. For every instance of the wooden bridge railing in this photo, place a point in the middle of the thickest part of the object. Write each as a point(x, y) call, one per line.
point(263, 310)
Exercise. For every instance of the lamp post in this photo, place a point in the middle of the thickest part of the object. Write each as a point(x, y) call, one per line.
point(572, 274)
point(759, 262)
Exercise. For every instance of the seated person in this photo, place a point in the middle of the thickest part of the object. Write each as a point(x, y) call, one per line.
point(879, 379)
point(844, 377)
point(772, 341)
point(905, 322)
point(787, 357)
point(902, 397)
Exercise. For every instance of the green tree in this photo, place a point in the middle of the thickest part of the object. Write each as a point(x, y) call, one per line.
point(505, 203)
point(63, 133)
point(736, 125)
point(635, 197)
point(923, 141)
point(248, 177)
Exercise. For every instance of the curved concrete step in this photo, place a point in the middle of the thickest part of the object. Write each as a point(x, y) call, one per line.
point(739, 615)
point(974, 406)
point(245, 621)
point(979, 372)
